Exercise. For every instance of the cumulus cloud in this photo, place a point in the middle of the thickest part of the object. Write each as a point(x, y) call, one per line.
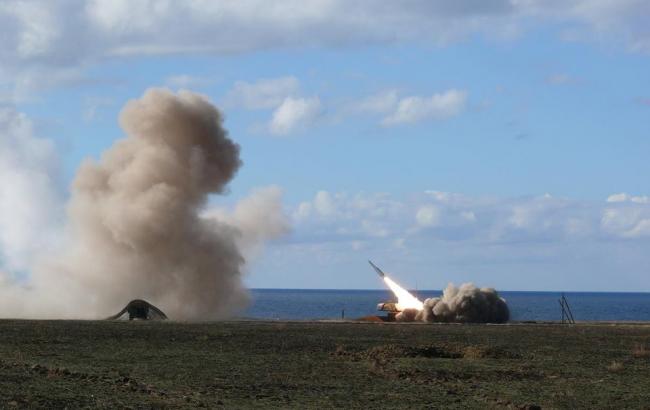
point(294, 114)
point(41, 37)
point(438, 106)
point(264, 93)
point(627, 216)
point(380, 103)
point(291, 112)
point(445, 216)
point(626, 223)
point(623, 197)
point(184, 81)
point(427, 215)
point(435, 237)
point(353, 219)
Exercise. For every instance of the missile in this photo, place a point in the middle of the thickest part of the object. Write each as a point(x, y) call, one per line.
point(379, 271)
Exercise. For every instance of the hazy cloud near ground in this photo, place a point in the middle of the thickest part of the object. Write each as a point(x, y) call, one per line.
point(45, 43)
point(30, 193)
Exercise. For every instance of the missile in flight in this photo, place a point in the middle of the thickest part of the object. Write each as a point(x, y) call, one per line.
point(379, 271)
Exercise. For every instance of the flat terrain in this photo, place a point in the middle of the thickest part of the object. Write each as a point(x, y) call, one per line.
point(55, 364)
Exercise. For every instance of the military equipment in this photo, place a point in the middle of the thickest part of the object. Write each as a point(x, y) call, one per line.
point(140, 309)
point(379, 271)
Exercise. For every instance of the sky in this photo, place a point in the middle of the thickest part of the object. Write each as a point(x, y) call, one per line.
point(502, 142)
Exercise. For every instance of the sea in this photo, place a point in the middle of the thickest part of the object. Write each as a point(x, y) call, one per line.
point(322, 304)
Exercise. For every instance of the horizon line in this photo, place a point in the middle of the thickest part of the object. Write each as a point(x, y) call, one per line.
point(440, 290)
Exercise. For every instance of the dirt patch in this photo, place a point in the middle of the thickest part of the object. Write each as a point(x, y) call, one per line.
point(484, 352)
point(373, 318)
point(433, 351)
point(640, 351)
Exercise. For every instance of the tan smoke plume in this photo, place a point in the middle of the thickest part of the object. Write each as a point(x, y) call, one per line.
point(464, 304)
point(137, 226)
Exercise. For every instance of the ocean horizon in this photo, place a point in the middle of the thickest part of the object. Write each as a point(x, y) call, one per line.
point(308, 304)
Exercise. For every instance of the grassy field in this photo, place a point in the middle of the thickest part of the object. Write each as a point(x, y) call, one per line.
point(75, 364)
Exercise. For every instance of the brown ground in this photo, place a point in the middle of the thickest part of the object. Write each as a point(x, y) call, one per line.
point(56, 364)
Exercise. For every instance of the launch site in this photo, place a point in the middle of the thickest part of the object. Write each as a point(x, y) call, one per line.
point(325, 204)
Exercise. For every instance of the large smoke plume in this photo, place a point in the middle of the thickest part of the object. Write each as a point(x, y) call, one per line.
point(463, 304)
point(137, 227)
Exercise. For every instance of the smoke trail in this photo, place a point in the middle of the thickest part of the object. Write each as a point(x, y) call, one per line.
point(465, 304)
point(135, 224)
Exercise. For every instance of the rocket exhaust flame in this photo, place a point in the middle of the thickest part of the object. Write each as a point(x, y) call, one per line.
point(463, 304)
point(404, 299)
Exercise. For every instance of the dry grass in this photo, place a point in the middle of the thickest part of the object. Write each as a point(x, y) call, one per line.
point(475, 352)
point(615, 366)
point(59, 364)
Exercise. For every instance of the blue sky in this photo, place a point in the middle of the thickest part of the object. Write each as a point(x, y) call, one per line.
point(500, 142)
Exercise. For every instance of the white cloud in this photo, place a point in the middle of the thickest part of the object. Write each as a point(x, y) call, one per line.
point(427, 215)
point(51, 44)
point(374, 228)
point(456, 217)
point(534, 242)
point(627, 216)
point(339, 216)
point(294, 114)
point(323, 203)
point(38, 28)
point(184, 81)
point(357, 245)
point(41, 37)
point(380, 103)
point(400, 243)
point(626, 223)
point(30, 197)
point(93, 106)
point(291, 112)
point(438, 106)
point(623, 197)
point(264, 93)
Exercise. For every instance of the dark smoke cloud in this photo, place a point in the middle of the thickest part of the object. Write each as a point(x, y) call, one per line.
point(464, 304)
point(137, 224)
